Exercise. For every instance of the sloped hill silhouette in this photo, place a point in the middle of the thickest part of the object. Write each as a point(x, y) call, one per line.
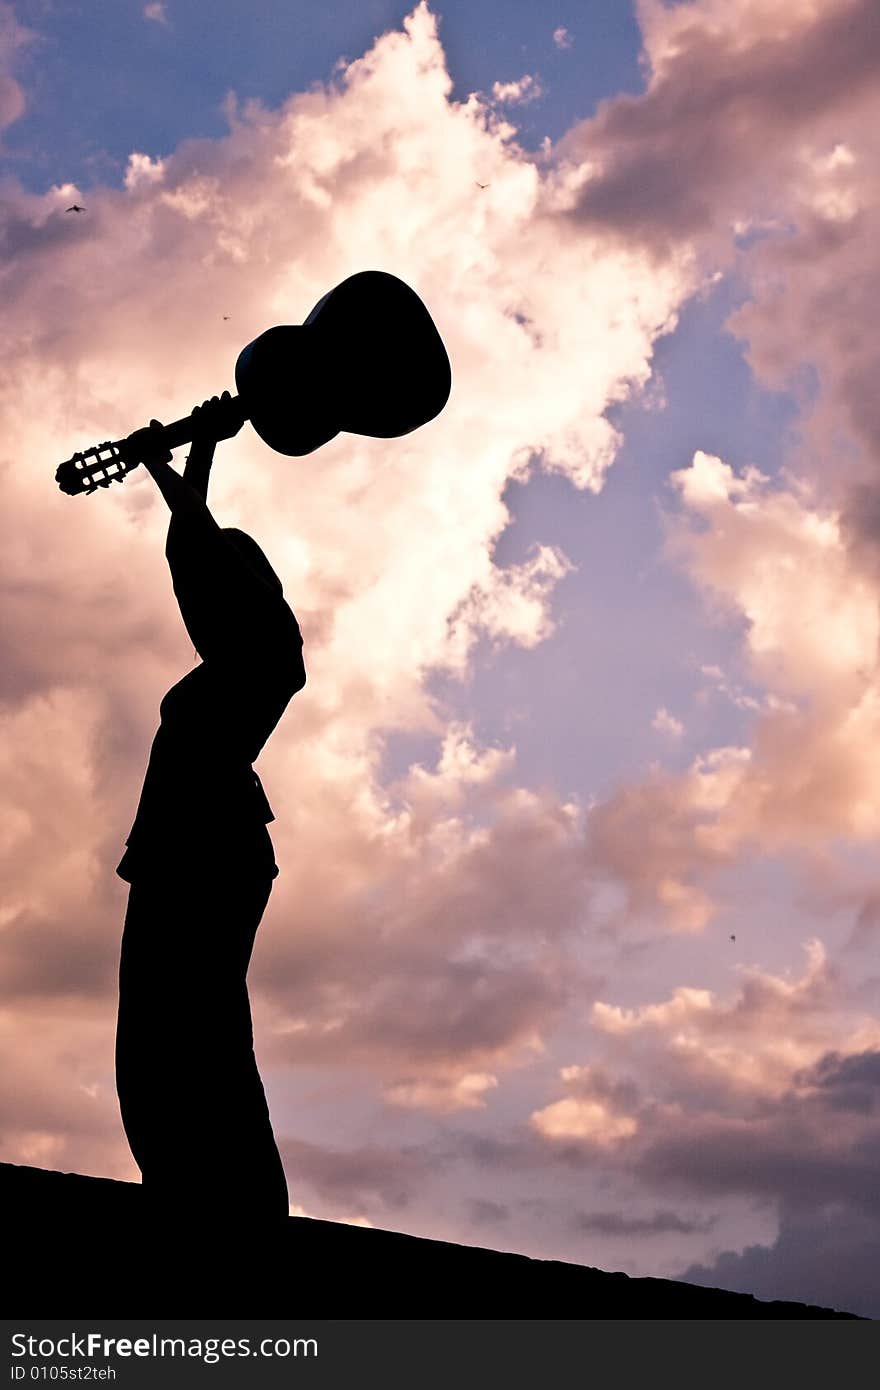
point(79, 1246)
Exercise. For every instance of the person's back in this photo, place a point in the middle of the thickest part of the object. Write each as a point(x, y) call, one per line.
point(200, 791)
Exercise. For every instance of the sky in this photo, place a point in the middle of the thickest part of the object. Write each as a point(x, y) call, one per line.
point(573, 948)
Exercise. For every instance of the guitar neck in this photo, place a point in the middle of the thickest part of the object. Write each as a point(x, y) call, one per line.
point(110, 462)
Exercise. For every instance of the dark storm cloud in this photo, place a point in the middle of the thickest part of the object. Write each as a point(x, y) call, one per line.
point(848, 1082)
point(817, 1144)
point(829, 1256)
point(663, 1222)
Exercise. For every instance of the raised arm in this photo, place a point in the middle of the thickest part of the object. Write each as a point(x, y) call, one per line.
point(228, 609)
point(218, 418)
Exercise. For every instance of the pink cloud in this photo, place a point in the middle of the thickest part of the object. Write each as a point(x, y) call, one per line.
point(775, 561)
point(13, 37)
point(770, 1092)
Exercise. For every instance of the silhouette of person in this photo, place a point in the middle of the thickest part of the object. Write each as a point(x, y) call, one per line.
point(200, 864)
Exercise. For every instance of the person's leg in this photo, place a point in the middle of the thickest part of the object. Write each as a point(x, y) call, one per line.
point(192, 1102)
point(140, 1038)
point(247, 1174)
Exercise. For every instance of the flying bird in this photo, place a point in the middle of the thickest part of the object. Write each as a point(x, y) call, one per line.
point(732, 937)
point(482, 185)
point(76, 208)
point(225, 318)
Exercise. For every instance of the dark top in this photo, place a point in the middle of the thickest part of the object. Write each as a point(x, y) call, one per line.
point(202, 804)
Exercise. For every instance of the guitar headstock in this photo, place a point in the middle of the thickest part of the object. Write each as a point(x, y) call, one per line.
point(93, 468)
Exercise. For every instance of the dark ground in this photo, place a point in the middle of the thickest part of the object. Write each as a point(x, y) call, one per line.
point(79, 1247)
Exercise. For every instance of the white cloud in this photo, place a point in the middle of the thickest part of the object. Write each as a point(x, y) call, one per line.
point(596, 1112)
point(590, 1120)
point(666, 723)
point(518, 93)
point(442, 1094)
point(511, 603)
point(142, 169)
point(752, 1045)
point(812, 621)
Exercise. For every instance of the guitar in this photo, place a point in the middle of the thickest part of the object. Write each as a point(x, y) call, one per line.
point(367, 360)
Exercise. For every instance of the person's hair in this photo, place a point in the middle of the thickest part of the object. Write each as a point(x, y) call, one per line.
point(251, 552)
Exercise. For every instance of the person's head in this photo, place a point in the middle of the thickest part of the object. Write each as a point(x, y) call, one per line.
point(251, 552)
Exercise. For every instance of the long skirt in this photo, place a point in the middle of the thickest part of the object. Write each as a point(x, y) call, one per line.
point(193, 1106)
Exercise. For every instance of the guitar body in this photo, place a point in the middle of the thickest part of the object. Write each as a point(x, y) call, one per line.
point(367, 360)
point(282, 393)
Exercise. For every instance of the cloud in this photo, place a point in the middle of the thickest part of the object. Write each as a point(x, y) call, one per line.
point(661, 1222)
point(13, 37)
point(412, 929)
point(773, 1027)
point(773, 563)
point(828, 1258)
point(729, 1089)
point(453, 954)
point(772, 1094)
point(518, 93)
point(142, 169)
point(465, 1092)
point(782, 566)
point(155, 11)
point(692, 153)
point(755, 145)
point(666, 723)
point(562, 38)
point(58, 1105)
point(589, 1120)
point(513, 605)
point(659, 839)
point(486, 1213)
point(595, 1112)
point(370, 1178)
